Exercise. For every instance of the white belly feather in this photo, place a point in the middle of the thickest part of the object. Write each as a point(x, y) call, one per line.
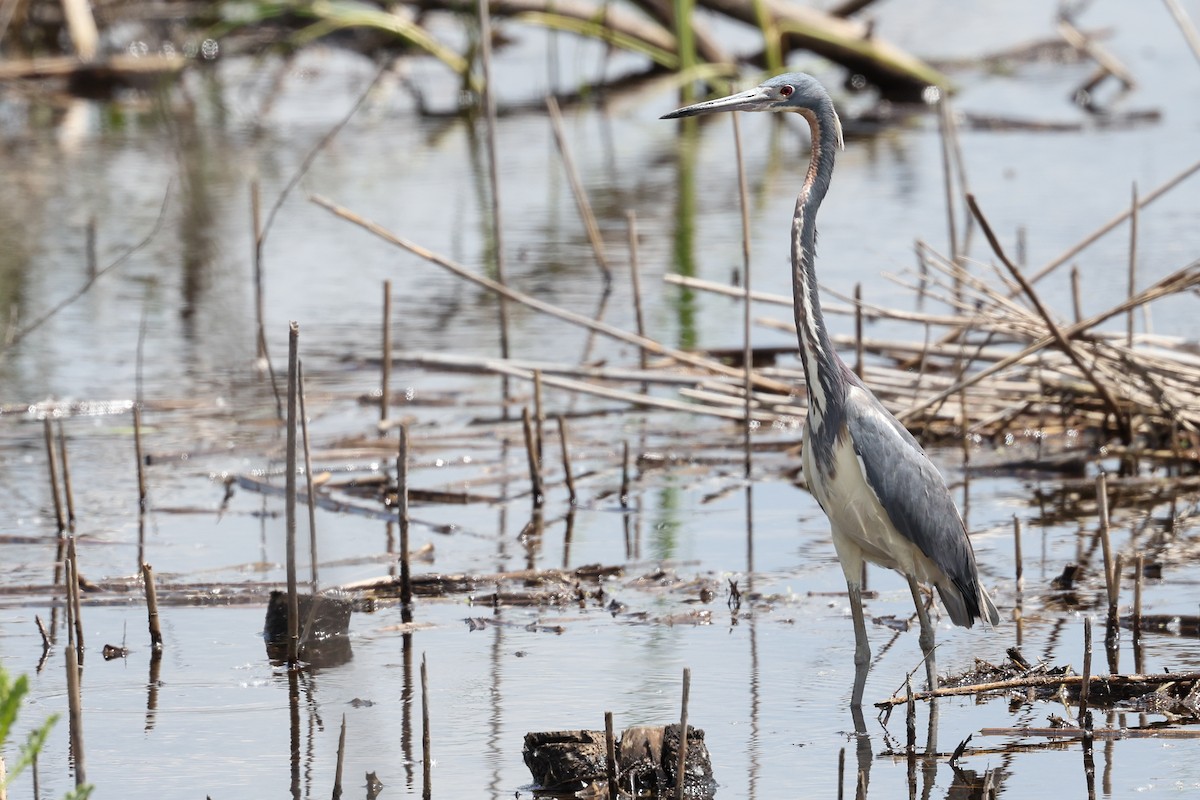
point(859, 524)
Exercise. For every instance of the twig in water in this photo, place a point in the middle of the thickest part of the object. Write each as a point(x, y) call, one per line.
point(341, 755)
point(1020, 566)
point(910, 719)
point(156, 637)
point(68, 495)
point(52, 466)
point(681, 772)
point(75, 715)
point(625, 474)
point(566, 458)
point(290, 496)
point(139, 458)
point(1085, 721)
point(539, 417)
point(1139, 568)
point(535, 467)
point(73, 598)
point(841, 773)
point(402, 510)
point(610, 756)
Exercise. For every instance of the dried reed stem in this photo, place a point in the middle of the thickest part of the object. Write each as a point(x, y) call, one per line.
point(1105, 544)
point(341, 756)
point(68, 495)
point(1020, 564)
point(1085, 687)
point(73, 598)
point(564, 443)
point(75, 716)
point(910, 718)
point(539, 417)
point(1138, 578)
point(610, 756)
point(140, 458)
point(402, 510)
point(535, 467)
point(385, 364)
point(681, 771)
point(293, 650)
point(156, 637)
point(52, 466)
point(625, 474)
point(841, 773)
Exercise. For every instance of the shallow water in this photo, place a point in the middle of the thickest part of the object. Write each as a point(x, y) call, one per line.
point(769, 686)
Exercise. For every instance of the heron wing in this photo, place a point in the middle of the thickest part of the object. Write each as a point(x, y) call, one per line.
point(912, 492)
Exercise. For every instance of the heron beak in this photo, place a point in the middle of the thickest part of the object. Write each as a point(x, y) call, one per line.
point(756, 99)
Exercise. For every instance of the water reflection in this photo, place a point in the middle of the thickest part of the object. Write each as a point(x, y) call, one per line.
point(683, 245)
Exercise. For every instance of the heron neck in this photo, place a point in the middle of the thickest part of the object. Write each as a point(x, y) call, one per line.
point(824, 381)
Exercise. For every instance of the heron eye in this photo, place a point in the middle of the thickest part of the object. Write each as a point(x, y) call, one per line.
point(786, 91)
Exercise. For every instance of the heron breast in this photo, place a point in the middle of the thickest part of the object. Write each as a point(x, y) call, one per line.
point(857, 518)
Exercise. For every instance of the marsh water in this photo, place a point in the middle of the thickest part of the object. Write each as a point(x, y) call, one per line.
point(174, 324)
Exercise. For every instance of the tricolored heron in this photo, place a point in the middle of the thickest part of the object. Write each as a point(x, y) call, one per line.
point(885, 500)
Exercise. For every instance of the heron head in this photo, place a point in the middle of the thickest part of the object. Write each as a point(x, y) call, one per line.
point(792, 91)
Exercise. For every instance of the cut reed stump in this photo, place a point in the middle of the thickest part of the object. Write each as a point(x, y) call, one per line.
point(646, 762)
point(324, 622)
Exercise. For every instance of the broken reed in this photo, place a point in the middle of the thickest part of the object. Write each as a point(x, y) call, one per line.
point(341, 755)
point(535, 467)
point(610, 756)
point(52, 466)
point(68, 495)
point(402, 512)
point(293, 604)
point(681, 772)
point(156, 638)
point(564, 443)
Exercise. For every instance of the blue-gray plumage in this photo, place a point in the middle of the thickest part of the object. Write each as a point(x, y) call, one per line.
point(885, 500)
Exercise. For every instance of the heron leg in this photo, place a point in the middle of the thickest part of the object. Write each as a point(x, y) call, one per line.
point(927, 636)
point(862, 648)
